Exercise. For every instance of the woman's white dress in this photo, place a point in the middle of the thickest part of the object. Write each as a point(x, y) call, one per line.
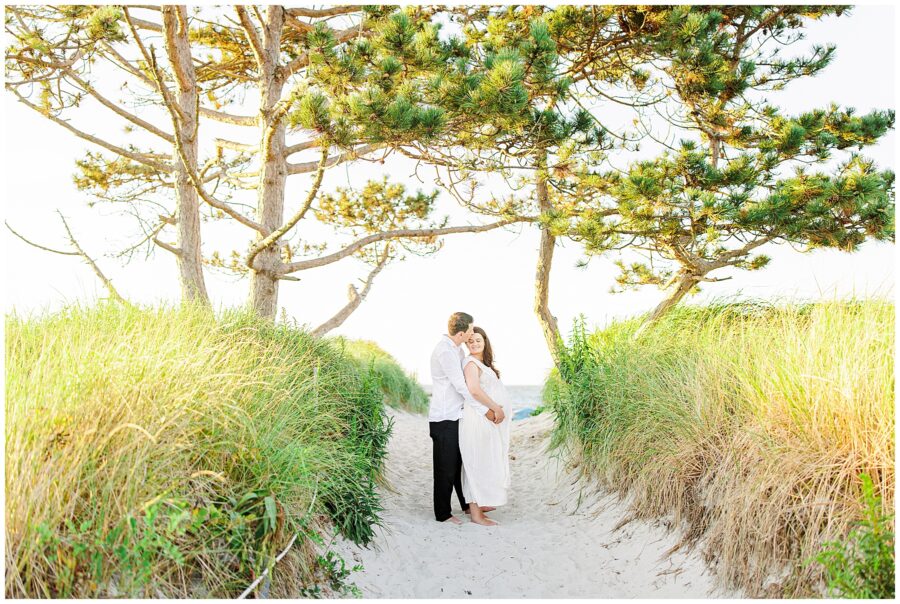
point(484, 445)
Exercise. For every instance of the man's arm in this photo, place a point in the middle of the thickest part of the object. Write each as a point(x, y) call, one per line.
point(449, 362)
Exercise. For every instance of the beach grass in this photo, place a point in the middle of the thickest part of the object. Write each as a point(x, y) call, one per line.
point(401, 390)
point(750, 423)
point(161, 452)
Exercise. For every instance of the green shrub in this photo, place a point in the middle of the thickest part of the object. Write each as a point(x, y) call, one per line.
point(862, 566)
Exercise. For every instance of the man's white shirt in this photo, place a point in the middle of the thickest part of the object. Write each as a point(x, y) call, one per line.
point(448, 384)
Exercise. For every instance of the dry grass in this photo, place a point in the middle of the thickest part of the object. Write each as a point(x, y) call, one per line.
point(750, 423)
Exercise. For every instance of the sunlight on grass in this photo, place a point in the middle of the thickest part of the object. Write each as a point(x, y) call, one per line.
point(751, 423)
point(155, 452)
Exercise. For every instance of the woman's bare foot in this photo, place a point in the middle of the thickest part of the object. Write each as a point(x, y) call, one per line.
point(478, 516)
point(486, 508)
point(483, 520)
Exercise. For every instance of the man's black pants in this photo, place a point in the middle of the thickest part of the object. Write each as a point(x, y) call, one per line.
point(447, 467)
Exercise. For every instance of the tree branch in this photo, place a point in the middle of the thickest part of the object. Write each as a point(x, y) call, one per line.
point(323, 12)
point(303, 265)
point(128, 116)
point(300, 26)
point(40, 247)
point(127, 66)
point(48, 64)
point(307, 167)
point(166, 246)
point(228, 118)
point(287, 226)
point(252, 34)
point(300, 147)
point(148, 25)
point(138, 157)
point(113, 293)
point(355, 299)
point(235, 146)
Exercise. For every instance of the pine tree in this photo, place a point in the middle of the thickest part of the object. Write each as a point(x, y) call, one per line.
point(512, 87)
point(755, 175)
point(51, 67)
point(298, 61)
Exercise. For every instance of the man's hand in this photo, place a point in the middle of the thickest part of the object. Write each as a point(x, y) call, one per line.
point(490, 414)
point(498, 416)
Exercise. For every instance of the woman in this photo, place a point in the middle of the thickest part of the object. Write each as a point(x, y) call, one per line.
point(484, 445)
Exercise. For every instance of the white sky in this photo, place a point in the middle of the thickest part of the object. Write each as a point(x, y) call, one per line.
point(489, 275)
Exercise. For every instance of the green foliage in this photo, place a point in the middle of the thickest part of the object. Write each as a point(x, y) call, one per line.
point(374, 84)
point(333, 573)
point(312, 112)
point(862, 566)
point(708, 203)
point(401, 390)
point(351, 500)
point(147, 445)
point(103, 24)
point(378, 205)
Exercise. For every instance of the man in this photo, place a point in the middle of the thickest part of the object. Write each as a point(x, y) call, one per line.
point(448, 393)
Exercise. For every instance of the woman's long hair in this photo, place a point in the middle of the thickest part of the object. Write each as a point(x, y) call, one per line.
point(488, 353)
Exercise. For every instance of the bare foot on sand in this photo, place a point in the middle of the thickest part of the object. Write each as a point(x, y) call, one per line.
point(486, 508)
point(478, 516)
point(453, 519)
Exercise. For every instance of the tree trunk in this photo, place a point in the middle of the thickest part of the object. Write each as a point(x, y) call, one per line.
point(685, 285)
point(273, 169)
point(544, 264)
point(187, 213)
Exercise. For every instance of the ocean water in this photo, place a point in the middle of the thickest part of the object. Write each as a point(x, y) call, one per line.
point(525, 398)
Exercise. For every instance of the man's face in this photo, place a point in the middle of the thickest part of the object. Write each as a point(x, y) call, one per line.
point(463, 336)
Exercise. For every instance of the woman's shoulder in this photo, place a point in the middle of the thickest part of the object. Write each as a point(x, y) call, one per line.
point(470, 359)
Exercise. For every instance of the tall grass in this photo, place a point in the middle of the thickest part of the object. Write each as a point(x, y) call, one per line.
point(162, 452)
point(401, 390)
point(750, 423)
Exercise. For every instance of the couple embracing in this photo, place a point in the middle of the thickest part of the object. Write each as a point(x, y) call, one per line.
point(469, 421)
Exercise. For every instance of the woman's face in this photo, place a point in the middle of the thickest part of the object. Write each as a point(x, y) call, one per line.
point(475, 344)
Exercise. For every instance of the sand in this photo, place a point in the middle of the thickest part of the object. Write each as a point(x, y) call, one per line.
point(548, 544)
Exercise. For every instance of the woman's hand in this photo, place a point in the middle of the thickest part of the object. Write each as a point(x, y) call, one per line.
point(495, 416)
point(472, 374)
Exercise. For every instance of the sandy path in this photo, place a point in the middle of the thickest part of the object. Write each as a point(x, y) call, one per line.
point(546, 546)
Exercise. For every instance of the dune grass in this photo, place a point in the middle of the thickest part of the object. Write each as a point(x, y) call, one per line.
point(401, 390)
point(751, 423)
point(169, 452)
